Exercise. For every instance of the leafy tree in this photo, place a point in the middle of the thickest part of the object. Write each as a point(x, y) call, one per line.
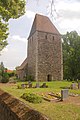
point(4, 77)
point(9, 9)
point(1, 69)
point(71, 55)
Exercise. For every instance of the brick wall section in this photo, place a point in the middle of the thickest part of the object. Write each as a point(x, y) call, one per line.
point(13, 109)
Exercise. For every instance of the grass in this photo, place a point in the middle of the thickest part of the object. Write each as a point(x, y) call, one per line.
point(55, 111)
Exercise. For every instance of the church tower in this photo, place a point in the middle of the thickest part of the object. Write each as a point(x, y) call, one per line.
point(44, 51)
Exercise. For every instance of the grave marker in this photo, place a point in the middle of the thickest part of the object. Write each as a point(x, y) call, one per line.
point(79, 85)
point(64, 94)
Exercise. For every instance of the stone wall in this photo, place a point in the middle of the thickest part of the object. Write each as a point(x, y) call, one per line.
point(32, 55)
point(45, 56)
point(21, 73)
point(13, 109)
point(49, 57)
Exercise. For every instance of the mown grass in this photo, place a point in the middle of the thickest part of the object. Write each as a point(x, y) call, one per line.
point(55, 111)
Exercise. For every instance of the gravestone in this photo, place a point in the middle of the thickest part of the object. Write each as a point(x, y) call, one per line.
point(79, 85)
point(30, 85)
point(23, 86)
point(73, 86)
point(64, 94)
point(37, 85)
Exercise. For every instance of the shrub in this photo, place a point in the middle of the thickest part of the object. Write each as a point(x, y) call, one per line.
point(19, 86)
point(5, 78)
point(29, 78)
point(33, 98)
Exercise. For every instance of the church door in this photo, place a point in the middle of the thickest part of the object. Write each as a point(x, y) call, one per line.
point(49, 77)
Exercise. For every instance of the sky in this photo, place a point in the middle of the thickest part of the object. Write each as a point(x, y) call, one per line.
point(66, 17)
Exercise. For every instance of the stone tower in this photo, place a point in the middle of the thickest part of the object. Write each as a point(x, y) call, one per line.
point(44, 51)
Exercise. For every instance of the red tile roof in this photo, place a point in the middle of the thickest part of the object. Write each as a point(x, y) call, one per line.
point(9, 71)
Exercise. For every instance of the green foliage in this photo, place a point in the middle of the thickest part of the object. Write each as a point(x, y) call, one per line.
point(19, 86)
point(33, 98)
point(1, 69)
point(54, 110)
point(71, 55)
point(11, 74)
point(29, 78)
point(9, 9)
point(5, 78)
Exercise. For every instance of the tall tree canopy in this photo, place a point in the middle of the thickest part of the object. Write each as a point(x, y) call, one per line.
point(71, 55)
point(9, 9)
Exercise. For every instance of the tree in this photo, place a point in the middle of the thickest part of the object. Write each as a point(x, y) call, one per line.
point(71, 55)
point(9, 9)
point(4, 77)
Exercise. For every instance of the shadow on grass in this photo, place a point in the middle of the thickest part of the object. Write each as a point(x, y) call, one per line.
point(66, 87)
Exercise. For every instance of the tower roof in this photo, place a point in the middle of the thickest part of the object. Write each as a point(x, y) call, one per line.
point(43, 23)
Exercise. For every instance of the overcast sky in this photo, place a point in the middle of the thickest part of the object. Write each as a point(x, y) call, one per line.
point(66, 18)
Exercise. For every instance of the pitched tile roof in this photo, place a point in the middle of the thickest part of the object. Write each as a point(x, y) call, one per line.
point(43, 23)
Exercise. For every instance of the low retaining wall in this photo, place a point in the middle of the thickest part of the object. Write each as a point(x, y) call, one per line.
point(13, 109)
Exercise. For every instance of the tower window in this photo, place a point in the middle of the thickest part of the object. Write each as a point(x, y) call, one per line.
point(45, 36)
point(53, 37)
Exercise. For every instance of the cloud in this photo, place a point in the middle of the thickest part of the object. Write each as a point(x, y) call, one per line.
point(68, 9)
point(5, 50)
point(15, 52)
point(30, 14)
point(17, 38)
point(75, 0)
point(68, 14)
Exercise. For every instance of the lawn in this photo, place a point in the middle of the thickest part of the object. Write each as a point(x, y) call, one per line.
point(54, 110)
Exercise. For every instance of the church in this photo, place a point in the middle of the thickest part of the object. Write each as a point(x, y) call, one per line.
point(44, 60)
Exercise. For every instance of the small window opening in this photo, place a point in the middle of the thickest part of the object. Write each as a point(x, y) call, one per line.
point(46, 37)
point(53, 37)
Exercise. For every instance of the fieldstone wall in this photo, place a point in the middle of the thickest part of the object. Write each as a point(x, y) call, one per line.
point(13, 109)
point(45, 56)
point(49, 57)
point(32, 55)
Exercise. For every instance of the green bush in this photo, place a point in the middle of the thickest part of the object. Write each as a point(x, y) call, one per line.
point(29, 78)
point(19, 86)
point(5, 78)
point(33, 98)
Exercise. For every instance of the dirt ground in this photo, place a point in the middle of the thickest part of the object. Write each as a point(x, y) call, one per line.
point(72, 100)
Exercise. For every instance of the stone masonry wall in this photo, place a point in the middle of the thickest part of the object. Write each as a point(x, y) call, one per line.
point(32, 55)
point(49, 56)
point(13, 109)
point(45, 56)
point(21, 73)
